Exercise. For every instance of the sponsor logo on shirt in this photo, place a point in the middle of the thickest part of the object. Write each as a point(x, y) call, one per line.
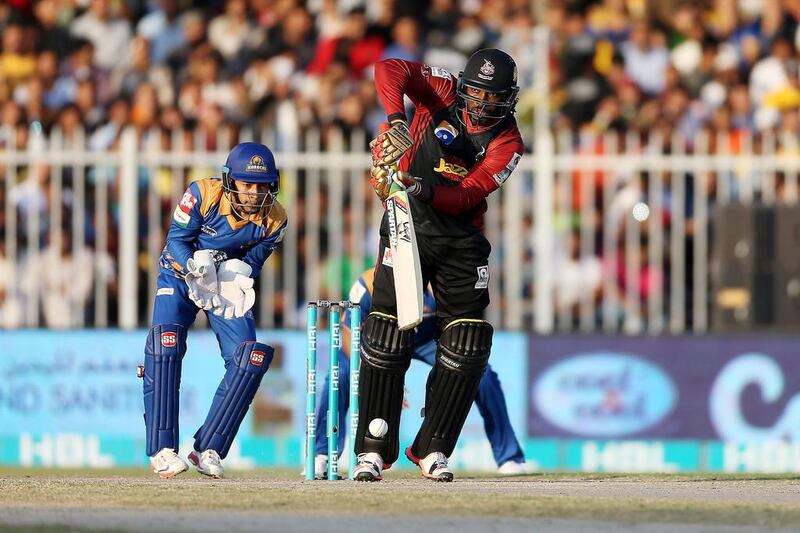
point(503, 175)
point(438, 72)
point(180, 217)
point(387, 259)
point(208, 230)
point(165, 291)
point(450, 169)
point(187, 202)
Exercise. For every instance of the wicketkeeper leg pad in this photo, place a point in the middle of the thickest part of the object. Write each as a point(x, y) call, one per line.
point(163, 353)
point(385, 357)
point(234, 395)
point(461, 359)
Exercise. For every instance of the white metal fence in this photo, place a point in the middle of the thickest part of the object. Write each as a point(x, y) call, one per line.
point(82, 230)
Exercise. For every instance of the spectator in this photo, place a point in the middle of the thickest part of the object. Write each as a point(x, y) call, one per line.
point(294, 36)
point(66, 288)
point(234, 34)
point(53, 36)
point(355, 47)
point(109, 34)
point(127, 77)
point(17, 61)
point(406, 41)
point(117, 118)
point(646, 58)
point(163, 30)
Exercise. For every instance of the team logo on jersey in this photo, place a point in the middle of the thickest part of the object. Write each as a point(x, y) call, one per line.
point(483, 277)
point(256, 164)
point(450, 169)
point(169, 339)
point(257, 358)
point(487, 70)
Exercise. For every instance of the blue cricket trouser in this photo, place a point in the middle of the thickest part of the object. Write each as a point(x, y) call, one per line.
point(490, 400)
point(173, 306)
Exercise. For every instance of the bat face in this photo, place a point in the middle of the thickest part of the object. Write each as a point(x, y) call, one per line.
point(405, 257)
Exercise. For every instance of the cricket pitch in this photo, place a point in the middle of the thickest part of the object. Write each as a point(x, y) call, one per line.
point(264, 500)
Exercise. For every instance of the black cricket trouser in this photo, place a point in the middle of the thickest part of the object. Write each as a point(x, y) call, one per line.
point(457, 269)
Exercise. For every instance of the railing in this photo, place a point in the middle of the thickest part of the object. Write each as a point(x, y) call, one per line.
point(568, 253)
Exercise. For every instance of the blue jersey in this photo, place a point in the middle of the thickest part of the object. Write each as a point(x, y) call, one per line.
point(361, 292)
point(204, 220)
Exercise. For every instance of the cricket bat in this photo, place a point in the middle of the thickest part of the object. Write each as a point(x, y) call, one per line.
point(405, 259)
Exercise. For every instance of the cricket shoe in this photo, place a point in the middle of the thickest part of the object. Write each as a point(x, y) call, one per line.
point(207, 463)
point(369, 467)
point(167, 463)
point(433, 466)
point(513, 468)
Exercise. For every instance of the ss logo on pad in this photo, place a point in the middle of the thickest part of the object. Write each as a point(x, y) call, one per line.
point(257, 358)
point(169, 339)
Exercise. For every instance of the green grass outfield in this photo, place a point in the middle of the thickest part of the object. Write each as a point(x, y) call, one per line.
point(767, 500)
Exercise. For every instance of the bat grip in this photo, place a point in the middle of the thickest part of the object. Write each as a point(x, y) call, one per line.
point(395, 186)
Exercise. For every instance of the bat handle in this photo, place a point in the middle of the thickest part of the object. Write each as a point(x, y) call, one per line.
point(396, 185)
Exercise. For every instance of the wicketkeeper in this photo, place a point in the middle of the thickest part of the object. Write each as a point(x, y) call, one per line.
point(221, 234)
point(462, 144)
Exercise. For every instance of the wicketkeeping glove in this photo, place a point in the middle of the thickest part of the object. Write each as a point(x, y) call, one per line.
point(201, 279)
point(235, 289)
point(392, 142)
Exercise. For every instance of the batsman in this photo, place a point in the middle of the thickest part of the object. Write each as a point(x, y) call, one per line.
point(462, 144)
point(221, 233)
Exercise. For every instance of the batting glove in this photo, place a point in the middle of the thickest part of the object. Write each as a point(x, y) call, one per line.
point(381, 180)
point(392, 142)
point(413, 186)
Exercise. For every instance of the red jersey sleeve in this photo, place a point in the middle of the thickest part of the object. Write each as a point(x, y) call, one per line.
point(432, 88)
point(502, 156)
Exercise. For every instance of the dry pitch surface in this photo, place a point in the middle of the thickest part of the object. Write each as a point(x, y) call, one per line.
point(272, 500)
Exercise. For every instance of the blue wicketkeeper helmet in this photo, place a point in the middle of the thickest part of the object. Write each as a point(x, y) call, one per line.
point(252, 163)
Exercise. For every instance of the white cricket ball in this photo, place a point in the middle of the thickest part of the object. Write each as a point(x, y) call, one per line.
point(378, 427)
point(641, 211)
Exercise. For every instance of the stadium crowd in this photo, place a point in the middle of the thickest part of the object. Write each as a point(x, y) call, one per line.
point(89, 68)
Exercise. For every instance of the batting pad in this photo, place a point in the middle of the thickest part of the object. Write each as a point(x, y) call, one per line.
point(250, 362)
point(385, 357)
point(461, 358)
point(163, 353)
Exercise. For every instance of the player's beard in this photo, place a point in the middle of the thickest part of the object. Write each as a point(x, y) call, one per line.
point(483, 121)
point(245, 209)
